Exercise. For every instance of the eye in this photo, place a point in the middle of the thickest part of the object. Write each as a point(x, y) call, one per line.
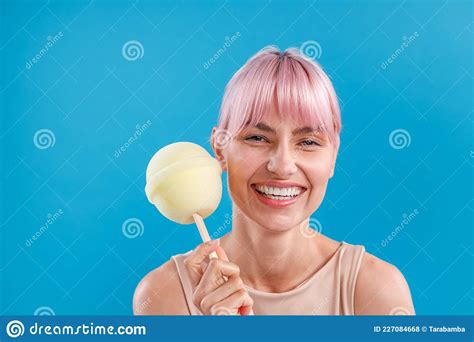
point(257, 138)
point(308, 142)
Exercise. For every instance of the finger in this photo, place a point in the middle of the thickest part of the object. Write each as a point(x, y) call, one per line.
point(246, 311)
point(197, 256)
point(234, 284)
point(233, 303)
point(221, 254)
point(216, 271)
point(215, 275)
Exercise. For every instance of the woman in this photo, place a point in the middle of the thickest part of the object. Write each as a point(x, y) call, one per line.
point(278, 138)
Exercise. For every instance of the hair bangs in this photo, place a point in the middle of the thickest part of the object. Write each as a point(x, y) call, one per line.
point(287, 84)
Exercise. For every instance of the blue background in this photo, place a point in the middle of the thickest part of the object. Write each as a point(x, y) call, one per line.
point(92, 98)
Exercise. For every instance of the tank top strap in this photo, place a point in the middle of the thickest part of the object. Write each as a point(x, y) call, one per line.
point(350, 261)
point(185, 282)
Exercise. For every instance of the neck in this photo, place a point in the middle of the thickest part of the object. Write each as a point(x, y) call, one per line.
point(271, 261)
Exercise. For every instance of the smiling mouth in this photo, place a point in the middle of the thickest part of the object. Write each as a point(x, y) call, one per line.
point(277, 193)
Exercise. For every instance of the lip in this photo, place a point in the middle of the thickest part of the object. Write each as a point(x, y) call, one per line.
point(280, 184)
point(278, 204)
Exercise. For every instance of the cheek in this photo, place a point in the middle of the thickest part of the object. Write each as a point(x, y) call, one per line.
point(318, 173)
point(318, 170)
point(318, 176)
point(243, 159)
point(241, 166)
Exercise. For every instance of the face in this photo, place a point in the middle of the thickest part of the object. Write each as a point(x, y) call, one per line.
point(278, 171)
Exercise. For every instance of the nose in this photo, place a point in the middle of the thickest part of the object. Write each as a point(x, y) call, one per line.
point(282, 162)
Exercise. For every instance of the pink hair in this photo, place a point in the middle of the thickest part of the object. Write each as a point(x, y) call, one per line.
point(290, 82)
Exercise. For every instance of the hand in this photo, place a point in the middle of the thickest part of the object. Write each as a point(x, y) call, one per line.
point(217, 286)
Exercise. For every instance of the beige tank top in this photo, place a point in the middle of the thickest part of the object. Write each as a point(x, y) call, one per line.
point(329, 291)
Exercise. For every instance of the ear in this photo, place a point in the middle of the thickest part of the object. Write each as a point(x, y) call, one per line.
point(335, 152)
point(218, 152)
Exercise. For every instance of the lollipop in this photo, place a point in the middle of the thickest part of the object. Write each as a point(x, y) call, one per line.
point(184, 182)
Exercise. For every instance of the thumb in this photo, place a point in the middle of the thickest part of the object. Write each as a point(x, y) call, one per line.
point(221, 253)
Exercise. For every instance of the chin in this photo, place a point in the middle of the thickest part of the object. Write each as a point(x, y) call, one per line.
point(276, 223)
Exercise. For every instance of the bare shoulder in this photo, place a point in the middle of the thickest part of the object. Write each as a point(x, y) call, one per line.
point(381, 289)
point(160, 293)
point(327, 245)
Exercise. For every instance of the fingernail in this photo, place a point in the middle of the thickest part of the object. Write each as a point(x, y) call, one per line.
point(213, 243)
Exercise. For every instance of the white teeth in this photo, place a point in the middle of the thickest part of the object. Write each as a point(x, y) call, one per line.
point(279, 193)
point(278, 198)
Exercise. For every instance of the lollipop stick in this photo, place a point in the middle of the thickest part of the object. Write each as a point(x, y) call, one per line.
point(203, 232)
point(205, 237)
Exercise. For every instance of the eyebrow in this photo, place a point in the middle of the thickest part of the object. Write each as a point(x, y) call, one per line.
point(302, 130)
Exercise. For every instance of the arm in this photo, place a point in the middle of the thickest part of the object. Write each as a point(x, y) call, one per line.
point(160, 293)
point(381, 289)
